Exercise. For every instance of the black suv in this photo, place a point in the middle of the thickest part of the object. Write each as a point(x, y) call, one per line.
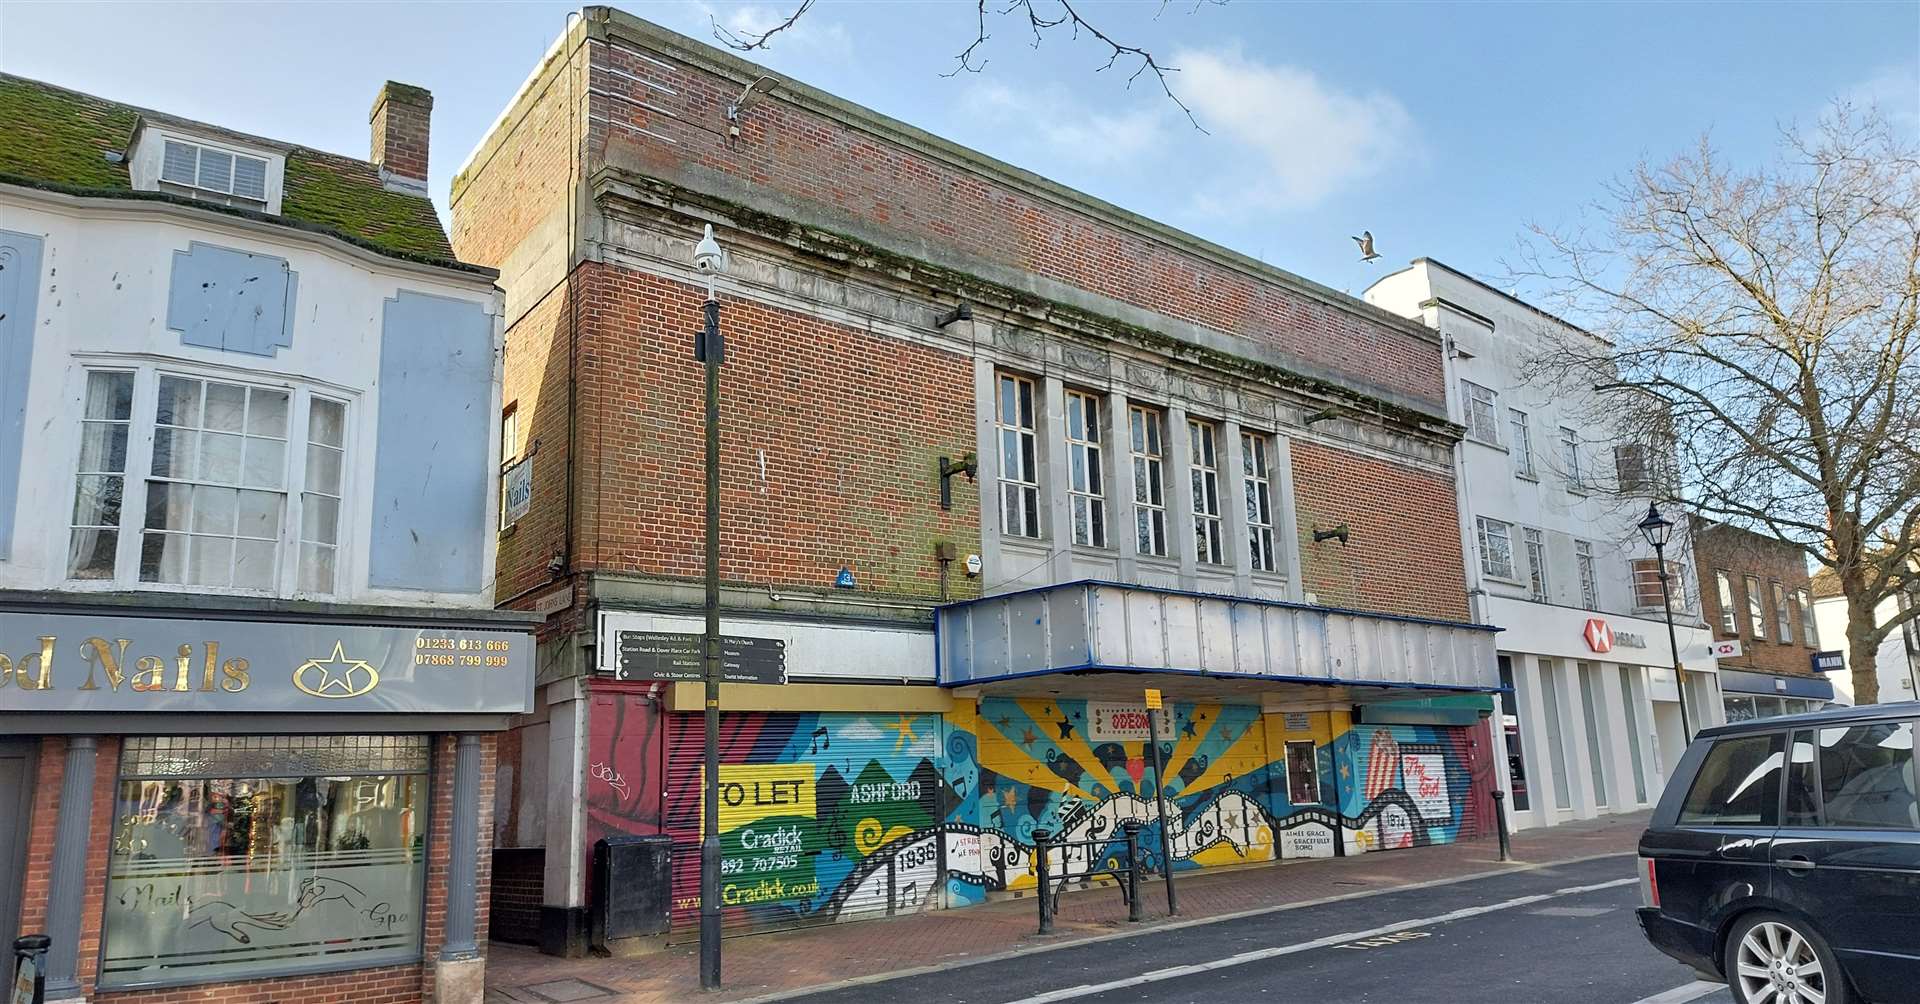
point(1784, 858)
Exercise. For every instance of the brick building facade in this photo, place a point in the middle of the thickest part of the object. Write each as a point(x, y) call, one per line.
point(852, 372)
point(1756, 592)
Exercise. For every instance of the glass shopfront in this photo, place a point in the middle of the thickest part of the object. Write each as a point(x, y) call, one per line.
point(1746, 707)
point(243, 856)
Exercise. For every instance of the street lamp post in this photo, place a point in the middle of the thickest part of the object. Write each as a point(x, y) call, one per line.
point(710, 260)
point(1658, 529)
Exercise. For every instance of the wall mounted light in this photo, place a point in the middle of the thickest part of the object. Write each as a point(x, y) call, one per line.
point(968, 464)
point(1338, 533)
point(960, 312)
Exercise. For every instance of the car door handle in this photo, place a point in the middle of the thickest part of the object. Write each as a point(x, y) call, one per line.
point(1796, 864)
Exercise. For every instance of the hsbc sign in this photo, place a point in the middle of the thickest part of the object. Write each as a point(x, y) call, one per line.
point(1599, 635)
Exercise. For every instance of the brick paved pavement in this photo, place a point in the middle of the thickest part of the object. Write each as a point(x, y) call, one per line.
point(766, 964)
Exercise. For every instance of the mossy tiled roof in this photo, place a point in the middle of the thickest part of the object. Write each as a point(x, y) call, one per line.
point(54, 138)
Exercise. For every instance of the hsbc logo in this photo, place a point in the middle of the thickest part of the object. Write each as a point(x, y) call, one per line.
point(1599, 636)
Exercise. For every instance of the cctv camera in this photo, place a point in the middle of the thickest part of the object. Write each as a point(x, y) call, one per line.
point(707, 255)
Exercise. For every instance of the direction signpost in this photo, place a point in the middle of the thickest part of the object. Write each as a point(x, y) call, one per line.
point(673, 656)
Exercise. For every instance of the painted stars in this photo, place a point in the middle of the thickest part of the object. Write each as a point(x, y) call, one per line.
point(903, 732)
point(1187, 729)
point(1027, 738)
point(1066, 728)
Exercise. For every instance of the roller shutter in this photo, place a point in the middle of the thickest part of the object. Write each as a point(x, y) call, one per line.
point(823, 816)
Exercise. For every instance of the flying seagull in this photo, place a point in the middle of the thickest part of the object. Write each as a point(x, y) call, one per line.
point(1365, 240)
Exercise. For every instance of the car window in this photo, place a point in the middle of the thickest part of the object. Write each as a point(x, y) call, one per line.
point(1866, 776)
point(1803, 795)
point(1738, 784)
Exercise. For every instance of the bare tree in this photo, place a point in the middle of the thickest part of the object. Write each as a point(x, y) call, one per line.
point(1763, 326)
point(1039, 17)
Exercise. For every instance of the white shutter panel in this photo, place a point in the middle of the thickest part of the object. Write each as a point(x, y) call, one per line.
point(250, 177)
point(177, 163)
point(216, 170)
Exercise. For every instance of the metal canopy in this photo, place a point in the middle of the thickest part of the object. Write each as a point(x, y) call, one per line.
point(1089, 637)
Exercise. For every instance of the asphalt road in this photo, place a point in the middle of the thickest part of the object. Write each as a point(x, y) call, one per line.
point(1553, 934)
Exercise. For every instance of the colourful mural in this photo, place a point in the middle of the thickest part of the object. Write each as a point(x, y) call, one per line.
point(832, 816)
point(1079, 769)
point(823, 816)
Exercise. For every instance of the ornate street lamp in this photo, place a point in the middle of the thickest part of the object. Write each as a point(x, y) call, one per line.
point(1658, 530)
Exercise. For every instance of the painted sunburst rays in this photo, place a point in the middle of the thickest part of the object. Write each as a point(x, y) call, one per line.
point(1212, 745)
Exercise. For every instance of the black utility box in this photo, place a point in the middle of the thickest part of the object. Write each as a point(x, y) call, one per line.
point(632, 887)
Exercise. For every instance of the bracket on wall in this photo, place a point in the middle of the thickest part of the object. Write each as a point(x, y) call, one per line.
point(1338, 533)
point(961, 312)
point(1323, 415)
point(968, 464)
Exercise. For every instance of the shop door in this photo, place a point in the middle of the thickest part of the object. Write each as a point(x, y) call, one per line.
point(1417, 783)
point(823, 816)
point(16, 813)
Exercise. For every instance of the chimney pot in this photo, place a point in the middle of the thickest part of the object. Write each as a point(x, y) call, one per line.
point(401, 120)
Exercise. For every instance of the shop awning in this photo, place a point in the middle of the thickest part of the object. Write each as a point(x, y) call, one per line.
point(1736, 681)
point(1076, 636)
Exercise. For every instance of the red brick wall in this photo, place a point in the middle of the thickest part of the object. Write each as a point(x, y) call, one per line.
point(1403, 553)
point(535, 384)
point(512, 187)
point(411, 982)
point(1721, 548)
point(811, 160)
point(830, 443)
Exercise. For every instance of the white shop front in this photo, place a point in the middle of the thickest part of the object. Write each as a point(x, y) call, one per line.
point(1593, 717)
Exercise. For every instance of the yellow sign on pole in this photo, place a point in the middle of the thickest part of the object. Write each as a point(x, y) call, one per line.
point(1153, 699)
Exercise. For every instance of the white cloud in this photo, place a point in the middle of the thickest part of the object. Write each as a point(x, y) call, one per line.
point(1895, 90)
point(812, 34)
point(1311, 139)
point(1067, 127)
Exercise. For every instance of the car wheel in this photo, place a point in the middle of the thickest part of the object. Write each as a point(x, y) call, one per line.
point(1773, 959)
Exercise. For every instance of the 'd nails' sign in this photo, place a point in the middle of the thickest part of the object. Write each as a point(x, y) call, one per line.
point(67, 662)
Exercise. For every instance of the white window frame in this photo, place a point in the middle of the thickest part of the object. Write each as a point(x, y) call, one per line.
point(1479, 408)
point(1144, 425)
point(1783, 630)
point(1486, 529)
point(1756, 608)
point(1809, 630)
point(1570, 459)
point(1203, 466)
point(1676, 583)
point(1631, 470)
point(1535, 542)
point(1583, 566)
point(1729, 617)
point(148, 160)
point(1014, 481)
point(1256, 463)
point(1522, 445)
point(509, 440)
point(139, 468)
point(1086, 484)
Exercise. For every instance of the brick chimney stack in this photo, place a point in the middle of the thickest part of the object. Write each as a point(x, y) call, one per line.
point(402, 114)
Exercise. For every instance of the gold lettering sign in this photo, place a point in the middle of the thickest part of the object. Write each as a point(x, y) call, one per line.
point(336, 676)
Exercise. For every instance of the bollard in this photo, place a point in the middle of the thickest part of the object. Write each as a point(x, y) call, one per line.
point(1132, 829)
point(30, 950)
point(1500, 822)
point(1040, 838)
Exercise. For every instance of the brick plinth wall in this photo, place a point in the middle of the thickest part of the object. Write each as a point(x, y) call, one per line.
point(391, 983)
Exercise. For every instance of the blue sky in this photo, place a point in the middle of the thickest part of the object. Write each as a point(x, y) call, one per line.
point(1444, 128)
